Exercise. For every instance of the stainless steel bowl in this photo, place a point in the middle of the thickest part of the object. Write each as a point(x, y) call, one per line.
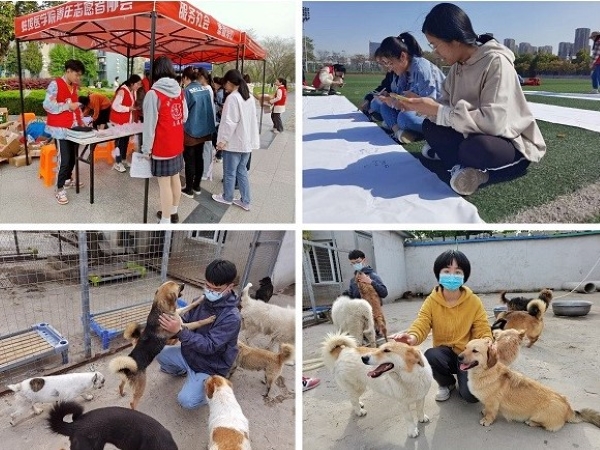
point(571, 308)
point(498, 309)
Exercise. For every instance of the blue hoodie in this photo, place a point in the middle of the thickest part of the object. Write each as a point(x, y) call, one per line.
point(201, 114)
point(212, 349)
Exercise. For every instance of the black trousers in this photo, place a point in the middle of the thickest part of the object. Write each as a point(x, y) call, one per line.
point(122, 143)
point(479, 151)
point(194, 165)
point(67, 152)
point(444, 364)
point(277, 123)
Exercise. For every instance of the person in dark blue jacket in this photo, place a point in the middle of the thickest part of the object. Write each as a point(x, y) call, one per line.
point(211, 349)
point(198, 128)
point(367, 274)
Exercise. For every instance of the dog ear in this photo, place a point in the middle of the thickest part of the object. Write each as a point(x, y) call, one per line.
point(492, 356)
point(37, 384)
point(209, 387)
point(522, 333)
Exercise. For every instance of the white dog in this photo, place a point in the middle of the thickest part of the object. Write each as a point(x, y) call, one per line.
point(272, 320)
point(355, 317)
point(402, 373)
point(52, 389)
point(227, 426)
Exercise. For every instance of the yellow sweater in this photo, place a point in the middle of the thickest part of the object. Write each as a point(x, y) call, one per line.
point(453, 326)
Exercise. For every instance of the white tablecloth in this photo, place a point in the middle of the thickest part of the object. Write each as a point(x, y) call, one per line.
point(354, 173)
point(590, 120)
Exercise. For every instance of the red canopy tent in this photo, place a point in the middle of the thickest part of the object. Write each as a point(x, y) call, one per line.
point(175, 29)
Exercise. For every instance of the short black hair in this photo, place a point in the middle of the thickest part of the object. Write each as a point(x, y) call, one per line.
point(220, 272)
point(75, 65)
point(339, 68)
point(445, 260)
point(355, 254)
point(84, 100)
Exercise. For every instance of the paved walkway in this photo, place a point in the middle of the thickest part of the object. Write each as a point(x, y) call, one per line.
point(119, 198)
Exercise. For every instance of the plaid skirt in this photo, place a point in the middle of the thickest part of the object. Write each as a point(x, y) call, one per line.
point(167, 167)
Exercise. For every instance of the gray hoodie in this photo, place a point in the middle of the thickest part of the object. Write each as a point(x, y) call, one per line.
point(170, 88)
point(483, 96)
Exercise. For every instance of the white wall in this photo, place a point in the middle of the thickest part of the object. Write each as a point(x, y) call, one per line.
point(510, 264)
point(284, 271)
point(391, 267)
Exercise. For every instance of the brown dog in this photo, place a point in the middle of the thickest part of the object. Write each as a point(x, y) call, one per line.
point(532, 320)
point(368, 293)
point(148, 342)
point(253, 358)
point(513, 395)
point(508, 344)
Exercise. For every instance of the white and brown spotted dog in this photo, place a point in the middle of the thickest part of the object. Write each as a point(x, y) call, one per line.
point(52, 389)
point(227, 426)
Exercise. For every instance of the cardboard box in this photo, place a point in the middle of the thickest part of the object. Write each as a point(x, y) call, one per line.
point(3, 115)
point(19, 161)
point(9, 144)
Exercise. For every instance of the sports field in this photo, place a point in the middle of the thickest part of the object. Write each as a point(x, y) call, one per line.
point(563, 187)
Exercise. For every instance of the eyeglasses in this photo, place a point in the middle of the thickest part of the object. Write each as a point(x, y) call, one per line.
point(216, 289)
point(433, 47)
point(387, 64)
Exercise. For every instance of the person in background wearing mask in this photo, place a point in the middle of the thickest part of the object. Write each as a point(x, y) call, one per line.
point(211, 349)
point(367, 275)
point(455, 315)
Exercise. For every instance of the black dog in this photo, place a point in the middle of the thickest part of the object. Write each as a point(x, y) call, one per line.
point(124, 428)
point(265, 291)
point(520, 303)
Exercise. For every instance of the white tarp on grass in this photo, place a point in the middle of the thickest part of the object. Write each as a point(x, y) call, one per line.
point(354, 173)
point(581, 118)
point(564, 95)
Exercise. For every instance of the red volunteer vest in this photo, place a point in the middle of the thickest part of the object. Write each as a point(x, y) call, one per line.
point(168, 136)
point(122, 117)
point(283, 97)
point(65, 119)
point(317, 81)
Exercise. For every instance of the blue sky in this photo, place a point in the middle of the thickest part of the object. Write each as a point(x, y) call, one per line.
point(349, 26)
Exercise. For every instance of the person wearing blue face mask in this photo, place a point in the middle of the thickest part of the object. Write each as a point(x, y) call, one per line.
point(454, 315)
point(211, 349)
point(358, 260)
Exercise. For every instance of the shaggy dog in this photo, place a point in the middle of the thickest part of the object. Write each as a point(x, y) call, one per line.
point(148, 342)
point(508, 344)
point(122, 427)
point(355, 317)
point(265, 291)
point(272, 320)
point(520, 303)
point(532, 320)
point(513, 395)
point(252, 358)
point(51, 389)
point(368, 292)
point(227, 426)
point(402, 373)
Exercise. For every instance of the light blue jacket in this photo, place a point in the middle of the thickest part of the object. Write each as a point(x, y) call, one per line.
point(422, 77)
point(201, 113)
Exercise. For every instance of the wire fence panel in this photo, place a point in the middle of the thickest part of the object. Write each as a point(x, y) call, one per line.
point(49, 315)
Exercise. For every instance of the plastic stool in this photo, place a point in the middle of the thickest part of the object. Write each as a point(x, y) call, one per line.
point(29, 116)
point(48, 169)
point(103, 151)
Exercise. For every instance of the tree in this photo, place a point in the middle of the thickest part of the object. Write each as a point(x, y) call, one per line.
point(308, 50)
point(10, 61)
point(31, 59)
point(280, 61)
point(60, 53)
point(8, 12)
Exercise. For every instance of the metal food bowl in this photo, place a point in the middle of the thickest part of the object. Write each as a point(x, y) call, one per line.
point(498, 309)
point(571, 308)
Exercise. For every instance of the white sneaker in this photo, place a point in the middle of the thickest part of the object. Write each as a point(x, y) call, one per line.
point(119, 167)
point(594, 91)
point(428, 153)
point(466, 180)
point(443, 393)
point(405, 136)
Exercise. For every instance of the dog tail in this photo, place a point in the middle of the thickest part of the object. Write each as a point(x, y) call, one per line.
point(503, 298)
point(333, 344)
point(499, 324)
point(536, 308)
point(286, 353)
point(58, 412)
point(123, 364)
point(245, 297)
point(546, 296)
point(587, 415)
point(133, 331)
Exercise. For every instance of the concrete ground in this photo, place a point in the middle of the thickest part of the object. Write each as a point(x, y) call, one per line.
point(120, 198)
point(565, 358)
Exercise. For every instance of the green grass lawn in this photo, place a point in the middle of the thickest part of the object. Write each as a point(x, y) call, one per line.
point(571, 162)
